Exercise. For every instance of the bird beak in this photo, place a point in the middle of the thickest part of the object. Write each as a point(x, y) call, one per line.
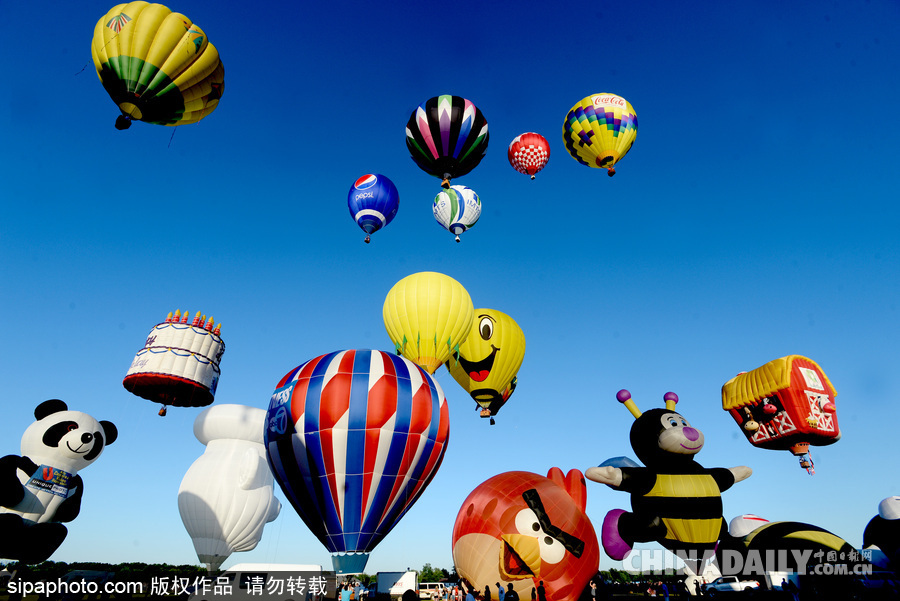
point(520, 557)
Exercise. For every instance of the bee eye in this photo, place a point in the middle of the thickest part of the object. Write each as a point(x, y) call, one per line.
point(673, 422)
point(486, 328)
point(535, 526)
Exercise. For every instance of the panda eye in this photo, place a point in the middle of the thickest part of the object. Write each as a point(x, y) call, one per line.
point(72, 427)
point(486, 328)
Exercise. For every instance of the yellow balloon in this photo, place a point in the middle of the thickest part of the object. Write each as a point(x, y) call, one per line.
point(489, 359)
point(427, 316)
point(156, 65)
point(599, 130)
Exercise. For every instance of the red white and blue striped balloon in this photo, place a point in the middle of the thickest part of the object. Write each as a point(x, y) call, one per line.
point(353, 438)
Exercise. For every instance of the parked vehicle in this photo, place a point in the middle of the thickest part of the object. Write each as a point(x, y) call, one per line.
point(397, 583)
point(429, 590)
point(728, 584)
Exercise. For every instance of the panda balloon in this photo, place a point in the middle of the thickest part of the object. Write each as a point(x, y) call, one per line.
point(42, 488)
point(675, 500)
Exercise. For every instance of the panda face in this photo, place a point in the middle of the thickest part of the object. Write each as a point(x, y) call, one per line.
point(677, 435)
point(73, 441)
point(66, 440)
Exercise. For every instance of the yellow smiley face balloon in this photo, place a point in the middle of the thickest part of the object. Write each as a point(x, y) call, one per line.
point(488, 360)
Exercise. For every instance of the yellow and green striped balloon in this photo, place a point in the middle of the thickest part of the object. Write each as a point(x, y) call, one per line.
point(599, 130)
point(156, 65)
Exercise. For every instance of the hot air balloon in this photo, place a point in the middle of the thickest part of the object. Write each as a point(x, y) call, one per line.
point(42, 488)
point(179, 364)
point(675, 500)
point(447, 137)
point(487, 362)
point(156, 65)
point(753, 546)
point(882, 533)
point(599, 130)
point(787, 404)
point(525, 529)
point(528, 153)
point(226, 497)
point(427, 316)
point(353, 438)
point(373, 200)
point(457, 209)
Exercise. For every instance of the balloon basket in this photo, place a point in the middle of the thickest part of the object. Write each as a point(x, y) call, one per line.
point(350, 562)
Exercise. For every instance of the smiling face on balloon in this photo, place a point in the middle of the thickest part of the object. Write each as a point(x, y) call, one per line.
point(522, 528)
point(487, 361)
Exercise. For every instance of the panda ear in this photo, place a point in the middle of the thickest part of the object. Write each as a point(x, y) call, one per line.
point(48, 408)
point(110, 433)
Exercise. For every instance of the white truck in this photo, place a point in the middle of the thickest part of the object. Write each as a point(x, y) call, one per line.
point(396, 583)
point(728, 584)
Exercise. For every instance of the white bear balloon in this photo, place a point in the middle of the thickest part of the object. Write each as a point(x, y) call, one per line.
point(42, 488)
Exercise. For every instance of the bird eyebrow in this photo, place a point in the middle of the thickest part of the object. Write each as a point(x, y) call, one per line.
point(572, 543)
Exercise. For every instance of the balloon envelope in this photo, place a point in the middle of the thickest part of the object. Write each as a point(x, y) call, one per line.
point(457, 209)
point(179, 364)
point(524, 529)
point(599, 130)
point(226, 497)
point(528, 153)
point(792, 546)
point(489, 359)
point(157, 65)
point(373, 201)
point(353, 439)
point(427, 316)
point(447, 136)
point(786, 404)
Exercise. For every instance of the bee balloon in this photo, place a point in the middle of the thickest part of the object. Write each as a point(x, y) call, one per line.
point(675, 501)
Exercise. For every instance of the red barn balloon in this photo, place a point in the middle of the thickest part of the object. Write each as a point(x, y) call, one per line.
point(522, 528)
point(528, 153)
point(787, 404)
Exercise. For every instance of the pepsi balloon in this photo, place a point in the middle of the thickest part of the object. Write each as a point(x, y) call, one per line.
point(373, 201)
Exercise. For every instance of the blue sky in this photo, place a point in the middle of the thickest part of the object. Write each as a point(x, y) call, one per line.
point(755, 217)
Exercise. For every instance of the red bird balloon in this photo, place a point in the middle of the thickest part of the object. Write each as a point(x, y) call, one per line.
point(522, 528)
point(528, 153)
